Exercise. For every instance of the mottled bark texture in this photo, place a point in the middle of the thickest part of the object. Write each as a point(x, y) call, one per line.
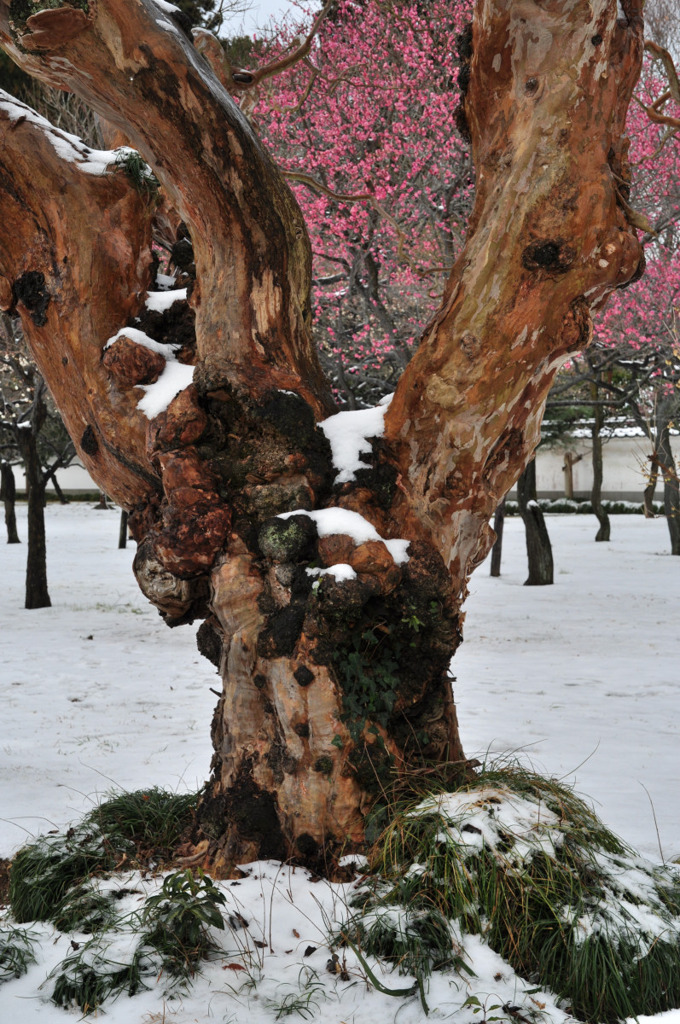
point(331, 688)
point(549, 86)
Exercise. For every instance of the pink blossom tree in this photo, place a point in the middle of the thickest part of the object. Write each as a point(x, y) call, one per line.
point(365, 130)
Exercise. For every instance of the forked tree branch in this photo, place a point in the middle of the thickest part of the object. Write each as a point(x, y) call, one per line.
point(250, 243)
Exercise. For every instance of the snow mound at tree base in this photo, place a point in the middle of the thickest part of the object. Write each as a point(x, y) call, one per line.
point(507, 900)
point(522, 863)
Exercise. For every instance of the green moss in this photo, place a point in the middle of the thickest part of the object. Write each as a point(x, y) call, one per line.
point(287, 540)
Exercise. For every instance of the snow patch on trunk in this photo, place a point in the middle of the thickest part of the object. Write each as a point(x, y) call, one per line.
point(330, 521)
point(348, 434)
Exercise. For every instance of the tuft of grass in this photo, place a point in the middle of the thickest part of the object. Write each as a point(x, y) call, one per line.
point(153, 819)
point(138, 172)
point(521, 861)
point(101, 969)
point(139, 827)
point(16, 952)
point(42, 873)
point(303, 1000)
point(84, 909)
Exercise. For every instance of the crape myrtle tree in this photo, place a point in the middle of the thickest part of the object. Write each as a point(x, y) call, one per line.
point(331, 682)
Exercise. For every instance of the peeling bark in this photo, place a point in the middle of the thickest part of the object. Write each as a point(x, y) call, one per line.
point(330, 688)
point(548, 240)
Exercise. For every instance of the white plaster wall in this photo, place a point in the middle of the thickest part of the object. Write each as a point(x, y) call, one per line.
point(625, 468)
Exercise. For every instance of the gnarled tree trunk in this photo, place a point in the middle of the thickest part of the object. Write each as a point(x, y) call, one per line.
point(331, 683)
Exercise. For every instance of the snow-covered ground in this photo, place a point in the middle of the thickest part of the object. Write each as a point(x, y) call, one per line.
point(97, 693)
point(583, 677)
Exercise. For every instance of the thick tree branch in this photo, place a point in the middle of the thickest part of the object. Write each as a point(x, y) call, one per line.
point(75, 241)
point(137, 70)
point(548, 241)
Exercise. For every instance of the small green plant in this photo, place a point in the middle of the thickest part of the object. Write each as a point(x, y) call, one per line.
point(138, 172)
point(369, 674)
point(176, 921)
point(16, 952)
point(487, 1011)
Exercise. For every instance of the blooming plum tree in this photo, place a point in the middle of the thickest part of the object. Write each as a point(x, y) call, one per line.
point(365, 129)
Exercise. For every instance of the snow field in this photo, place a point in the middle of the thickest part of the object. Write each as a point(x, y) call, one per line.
point(98, 693)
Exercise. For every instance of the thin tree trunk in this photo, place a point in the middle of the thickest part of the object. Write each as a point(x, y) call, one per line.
point(570, 461)
point(123, 531)
point(497, 549)
point(9, 492)
point(539, 549)
point(37, 595)
point(648, 493)
point(52, 475)
point(671, 486)
point(604, 530)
